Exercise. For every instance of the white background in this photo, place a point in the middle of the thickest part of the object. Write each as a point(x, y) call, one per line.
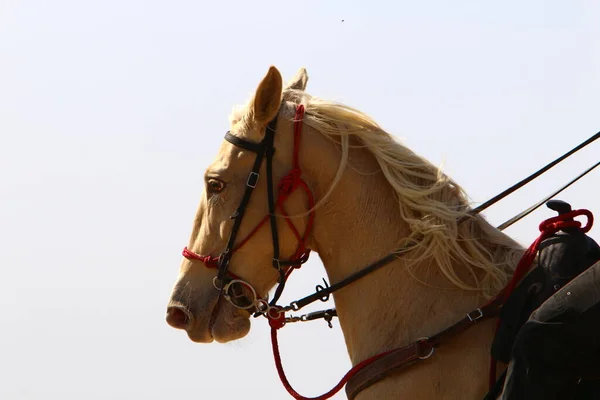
point(111, 110)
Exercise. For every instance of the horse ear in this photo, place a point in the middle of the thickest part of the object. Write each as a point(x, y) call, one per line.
point(298, 82)
point(268, 97)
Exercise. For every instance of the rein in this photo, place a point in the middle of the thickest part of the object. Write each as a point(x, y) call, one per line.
point(236, 290)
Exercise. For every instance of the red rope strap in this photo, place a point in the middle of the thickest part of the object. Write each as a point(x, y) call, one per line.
point(210, 261)
point(279, 322)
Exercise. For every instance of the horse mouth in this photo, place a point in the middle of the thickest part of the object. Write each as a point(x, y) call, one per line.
point(221, 323)
point(207, 331)
point(199, 326)
point(228, 323)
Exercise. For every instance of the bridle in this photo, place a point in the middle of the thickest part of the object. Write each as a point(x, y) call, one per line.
point(236, 290)
point(230, 285)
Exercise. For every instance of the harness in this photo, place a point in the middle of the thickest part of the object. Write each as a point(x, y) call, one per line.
point(242, 294)
point(226, 282)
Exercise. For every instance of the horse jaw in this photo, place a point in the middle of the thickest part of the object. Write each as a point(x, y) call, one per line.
point(230, 323)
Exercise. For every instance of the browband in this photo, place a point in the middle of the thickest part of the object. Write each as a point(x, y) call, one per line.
point(244, 144)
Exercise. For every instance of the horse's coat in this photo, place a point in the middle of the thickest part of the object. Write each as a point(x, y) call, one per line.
point(373, 195)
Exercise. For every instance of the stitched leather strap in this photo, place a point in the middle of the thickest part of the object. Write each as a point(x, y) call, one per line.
point(381, 368)
point(419, 350)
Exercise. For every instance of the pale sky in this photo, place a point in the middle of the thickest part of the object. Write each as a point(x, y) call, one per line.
point(111, 110)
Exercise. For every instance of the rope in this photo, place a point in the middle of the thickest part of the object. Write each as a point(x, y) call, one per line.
point(276, 324)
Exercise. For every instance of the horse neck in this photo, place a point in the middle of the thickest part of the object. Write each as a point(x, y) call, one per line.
point(358, 224)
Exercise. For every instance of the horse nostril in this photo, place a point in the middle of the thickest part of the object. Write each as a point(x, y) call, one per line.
point(178, 317)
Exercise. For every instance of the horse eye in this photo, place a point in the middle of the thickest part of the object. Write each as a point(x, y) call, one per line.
point(215, 186)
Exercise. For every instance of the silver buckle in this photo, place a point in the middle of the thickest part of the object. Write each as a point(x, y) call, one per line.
point(227, 296)
point(252, 179)
point(425, 357)
point(479, 314)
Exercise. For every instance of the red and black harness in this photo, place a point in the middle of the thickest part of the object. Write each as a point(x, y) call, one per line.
point(264, 150)
point(242, 295)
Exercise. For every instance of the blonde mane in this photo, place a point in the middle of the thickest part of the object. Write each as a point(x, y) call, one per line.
point(430, 202)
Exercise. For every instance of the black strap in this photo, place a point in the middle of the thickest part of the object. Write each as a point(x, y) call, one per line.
point(237, 217)
point(531, 177)
point(244, 144)
point(321, 294)
point(325, 292)
point(280, 286)
point(266, 148)
point(261, 149)
point(270, 137)
point(534, 207)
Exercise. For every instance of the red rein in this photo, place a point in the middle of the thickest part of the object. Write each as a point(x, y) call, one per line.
point(547, 227)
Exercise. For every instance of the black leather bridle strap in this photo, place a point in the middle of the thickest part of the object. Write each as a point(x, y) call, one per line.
point(270, 152)
point(324, 293)
point(244, 144)
point(262, 149)
point(531, 177)
point(534, 207)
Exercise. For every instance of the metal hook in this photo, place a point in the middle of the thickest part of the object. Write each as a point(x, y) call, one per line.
point(328, 317)
point(320, 288)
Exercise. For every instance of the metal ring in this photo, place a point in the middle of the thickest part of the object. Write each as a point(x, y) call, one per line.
point(215, 284)
point(262, 305)
point(244, 283)
point(430, 353)
point(277, 310)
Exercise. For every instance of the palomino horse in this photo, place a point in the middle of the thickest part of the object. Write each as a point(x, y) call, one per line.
point(372, 196)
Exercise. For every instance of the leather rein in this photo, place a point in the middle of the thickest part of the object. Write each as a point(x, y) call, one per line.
point(242, 295)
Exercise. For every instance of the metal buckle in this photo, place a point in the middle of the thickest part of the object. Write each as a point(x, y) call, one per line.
point(252, 179)
point(425, 357)
point(475, 317)
point(277, 264)
point(262, 306)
